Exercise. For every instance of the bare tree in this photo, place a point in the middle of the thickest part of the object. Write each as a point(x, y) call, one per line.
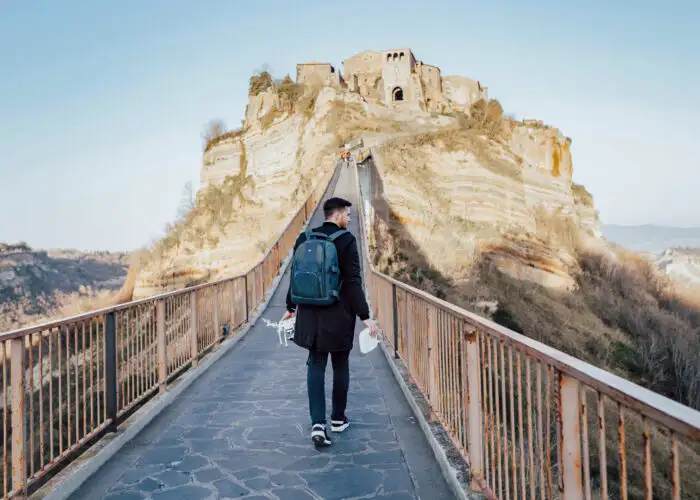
point(187, 201)
point(215, 128)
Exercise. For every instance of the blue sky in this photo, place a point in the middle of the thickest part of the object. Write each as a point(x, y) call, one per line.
point(102, 103)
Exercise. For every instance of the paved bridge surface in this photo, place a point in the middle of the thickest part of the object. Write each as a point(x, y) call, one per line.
point(242, 429)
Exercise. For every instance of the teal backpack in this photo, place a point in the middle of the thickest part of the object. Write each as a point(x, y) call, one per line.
point(315, 278)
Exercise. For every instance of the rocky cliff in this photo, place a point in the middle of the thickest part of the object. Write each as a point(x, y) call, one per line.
point(459, 183)
point(252, 184)
point(680, 264)
point(470, 189)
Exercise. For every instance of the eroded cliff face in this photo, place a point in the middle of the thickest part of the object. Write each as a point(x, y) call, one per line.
point(251, 186)
point(456, 191)
point(459, 195)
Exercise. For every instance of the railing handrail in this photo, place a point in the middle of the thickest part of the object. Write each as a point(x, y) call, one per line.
point(54, 323)
point(677, 417)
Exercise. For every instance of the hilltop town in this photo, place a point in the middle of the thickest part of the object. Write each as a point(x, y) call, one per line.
point(396, 76)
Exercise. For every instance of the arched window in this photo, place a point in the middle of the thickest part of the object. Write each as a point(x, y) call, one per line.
point(397, 94)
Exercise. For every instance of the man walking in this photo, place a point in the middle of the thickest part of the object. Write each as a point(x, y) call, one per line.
point(325, 293)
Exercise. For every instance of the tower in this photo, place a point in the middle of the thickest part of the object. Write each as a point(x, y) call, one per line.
point(397, 70)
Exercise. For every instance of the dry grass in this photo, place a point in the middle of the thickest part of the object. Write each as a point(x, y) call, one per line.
point(347, 120)
point(487, 118)
point(557, 230)
point(460, 137)
point(231, 134)
point(581, 195)
point(259, 83)
point(290, 97)
point(215, 132)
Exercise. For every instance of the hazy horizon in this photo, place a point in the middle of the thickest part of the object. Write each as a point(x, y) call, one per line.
point(102, 106)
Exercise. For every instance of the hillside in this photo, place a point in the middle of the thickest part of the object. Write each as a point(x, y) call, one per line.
point(652, 238)
point(680, 264)
point(38, 284)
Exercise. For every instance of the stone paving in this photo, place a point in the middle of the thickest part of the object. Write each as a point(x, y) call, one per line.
point(242, 431)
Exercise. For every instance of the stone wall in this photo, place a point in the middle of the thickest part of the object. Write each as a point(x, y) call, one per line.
point(362, 72)
point(315, 73)
point(432, 86)
point(461, 92)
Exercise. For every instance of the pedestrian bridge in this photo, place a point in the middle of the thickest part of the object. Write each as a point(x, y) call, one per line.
point(189, 395)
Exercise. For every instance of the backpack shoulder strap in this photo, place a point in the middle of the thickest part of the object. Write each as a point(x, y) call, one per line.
point(338, 234)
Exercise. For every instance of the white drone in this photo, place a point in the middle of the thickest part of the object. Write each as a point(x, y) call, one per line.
point(285, 329)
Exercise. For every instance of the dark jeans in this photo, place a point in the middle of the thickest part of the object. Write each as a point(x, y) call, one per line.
point(315, 384)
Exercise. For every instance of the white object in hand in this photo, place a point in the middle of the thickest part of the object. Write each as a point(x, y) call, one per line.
point(367, 342)
point(285, 329)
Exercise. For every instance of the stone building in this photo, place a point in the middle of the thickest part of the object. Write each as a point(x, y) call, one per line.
point(396, 77)
point(317, 73)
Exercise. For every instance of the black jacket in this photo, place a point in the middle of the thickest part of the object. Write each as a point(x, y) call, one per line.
point(332, 328)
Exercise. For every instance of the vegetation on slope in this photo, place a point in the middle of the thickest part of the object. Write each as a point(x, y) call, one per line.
point(216, 132)
point(623, 316)
point(290, 97)
point(480, 133)
point(36, 285)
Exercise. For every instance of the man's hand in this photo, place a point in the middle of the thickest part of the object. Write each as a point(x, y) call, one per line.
point(369, 323)
point(288, 315)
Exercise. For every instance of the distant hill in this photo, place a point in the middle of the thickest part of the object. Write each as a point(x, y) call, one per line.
point(37, 284)
point(651, 238)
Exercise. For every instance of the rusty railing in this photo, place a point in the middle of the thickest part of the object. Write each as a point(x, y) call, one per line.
point(533, 422)
point(66, 382)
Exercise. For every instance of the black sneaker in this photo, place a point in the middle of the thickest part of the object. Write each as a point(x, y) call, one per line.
point(339, 425)
point(319, 436)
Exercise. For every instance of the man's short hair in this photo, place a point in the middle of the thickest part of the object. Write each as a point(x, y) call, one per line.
point(332, 205)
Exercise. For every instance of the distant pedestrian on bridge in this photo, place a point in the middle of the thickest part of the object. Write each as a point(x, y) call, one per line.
point(325, 293)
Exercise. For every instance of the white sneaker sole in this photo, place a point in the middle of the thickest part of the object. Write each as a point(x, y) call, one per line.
point(320, 441)
point(318, 436)
point(340, 427)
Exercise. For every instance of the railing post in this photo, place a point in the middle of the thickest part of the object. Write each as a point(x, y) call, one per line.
point(396, 320)
point(217, 325)
point(475, 444)
point(194, 354)
point(162, 347)
point(245, 285)
point(111, 369)
point(19, 441)
point(433, 333)
point(570, 437)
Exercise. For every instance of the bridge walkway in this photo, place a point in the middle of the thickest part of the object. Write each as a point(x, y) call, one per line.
point(242, 429)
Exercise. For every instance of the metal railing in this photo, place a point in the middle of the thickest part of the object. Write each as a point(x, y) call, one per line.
point(533, 422)
point(66, 382)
